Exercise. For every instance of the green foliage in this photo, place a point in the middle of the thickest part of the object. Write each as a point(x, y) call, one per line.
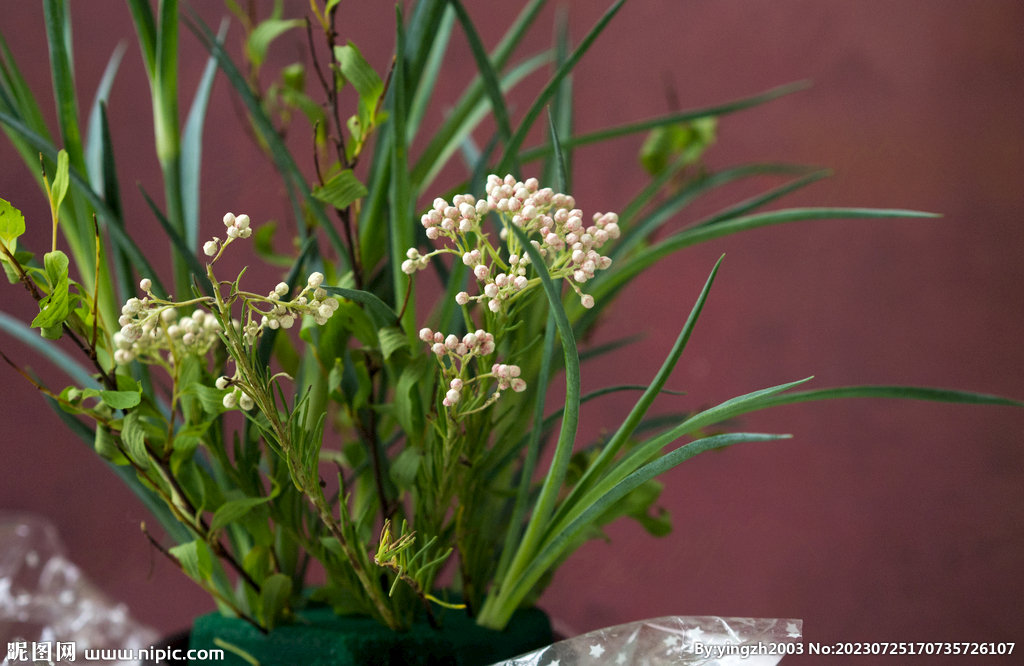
point(371, 413)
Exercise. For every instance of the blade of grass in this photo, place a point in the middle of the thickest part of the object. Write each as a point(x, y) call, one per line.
point(20, 331)
point(555, 547)
point(79, 182)
point(400, 197)
point(93, 143)
point(608, 284)
point(890, 392)
point(599, 136)
point(756, 202)
point(191, 261)
point(621, 436)
point(487, 72)
point(431, 69)
point(511, 154)
point(555, 476)
point(192, 145)
point(638, 231)
point(512, 535)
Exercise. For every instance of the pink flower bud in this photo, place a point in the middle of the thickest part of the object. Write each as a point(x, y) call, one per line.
point(426, 335)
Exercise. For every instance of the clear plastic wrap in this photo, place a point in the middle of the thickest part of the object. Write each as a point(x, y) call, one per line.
point(704, 641)
point(45, 600)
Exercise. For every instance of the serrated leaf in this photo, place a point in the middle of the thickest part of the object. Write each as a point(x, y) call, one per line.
point(134, 440)
point(12, 225)
point(341, 190)
point(234, 510)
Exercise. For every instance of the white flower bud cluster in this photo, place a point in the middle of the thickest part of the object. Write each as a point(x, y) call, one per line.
point(569, 247)
point(508, 376)
point(148, 328)
point(462, 216)
point(236, 227)
point(236, 398)
point(496, 288)
point(312, 300)
point(460, 351)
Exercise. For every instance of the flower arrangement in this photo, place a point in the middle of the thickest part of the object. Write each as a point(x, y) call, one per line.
point(385, 444)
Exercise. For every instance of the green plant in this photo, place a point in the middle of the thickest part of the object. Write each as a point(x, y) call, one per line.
point(427, 459)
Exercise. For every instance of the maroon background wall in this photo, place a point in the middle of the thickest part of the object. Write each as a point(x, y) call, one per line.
point(879, 521)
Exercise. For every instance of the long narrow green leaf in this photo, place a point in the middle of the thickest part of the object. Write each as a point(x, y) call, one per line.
point(561, 175)
point(532, 451)
point(81, 184)
point(553, 480)
point(20, 331)
point(295, 181)
point(628, 269)
point(431, 70)
point(93, 138)
point(622, 435)
point(487, 72)
point(195, 268)
point(560, 111)
point(145, 27)
point(448, 140)
point(637, 232)
point(755, 202)
point(608, 347)
point(192, 145)
point(21, 103)
point(400, 197)
point(512, 147)
point(890, 392)
point(57, 36)
point(670, 119)
point(110, 187)
point(554, 548)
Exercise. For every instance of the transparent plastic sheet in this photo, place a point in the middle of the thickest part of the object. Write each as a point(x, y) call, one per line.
point(704, 641)
point(44, 598)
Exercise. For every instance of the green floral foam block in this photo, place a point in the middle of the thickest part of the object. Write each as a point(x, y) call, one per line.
point(321, 638)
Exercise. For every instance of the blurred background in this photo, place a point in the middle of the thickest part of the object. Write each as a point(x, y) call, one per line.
point(879, 520)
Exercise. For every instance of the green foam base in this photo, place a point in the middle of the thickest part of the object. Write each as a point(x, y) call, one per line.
point(321, 638)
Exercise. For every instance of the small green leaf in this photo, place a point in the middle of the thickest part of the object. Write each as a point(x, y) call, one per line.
point(359, 73)
point(12, 274)
point(266, 32)
point(405, 466)
point(341, 190)
point(59, 189)
point(53, 309)
point(274, 598)
point(117, 399)
point(12, 225)
point(195, 559)
point(392, 339)
point(234, 510)
point(106, 447)
point(134, 439)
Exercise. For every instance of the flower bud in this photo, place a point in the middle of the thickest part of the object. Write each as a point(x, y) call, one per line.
point(222, 382)
point(246, 402)
point(145, 284)
point(315, 280)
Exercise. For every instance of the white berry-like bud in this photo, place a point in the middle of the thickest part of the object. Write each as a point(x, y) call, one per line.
point(229, 219)
point(409, 266)
point(587, 301)
point(232, 232)
point(426, 335)
point(326, 311)
point(124, 320)
point(281, 289)
point(456, 384)
point(246, 402)
point(491, 290)
point(230, 400)
point(453, 396)
point(462, 298)
point(518, 385)
point(145, 284)
point(222, 382)
point(481, 272)
point(315, 280)
point(439, 348)
point(210, 247)
point(242, 222)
